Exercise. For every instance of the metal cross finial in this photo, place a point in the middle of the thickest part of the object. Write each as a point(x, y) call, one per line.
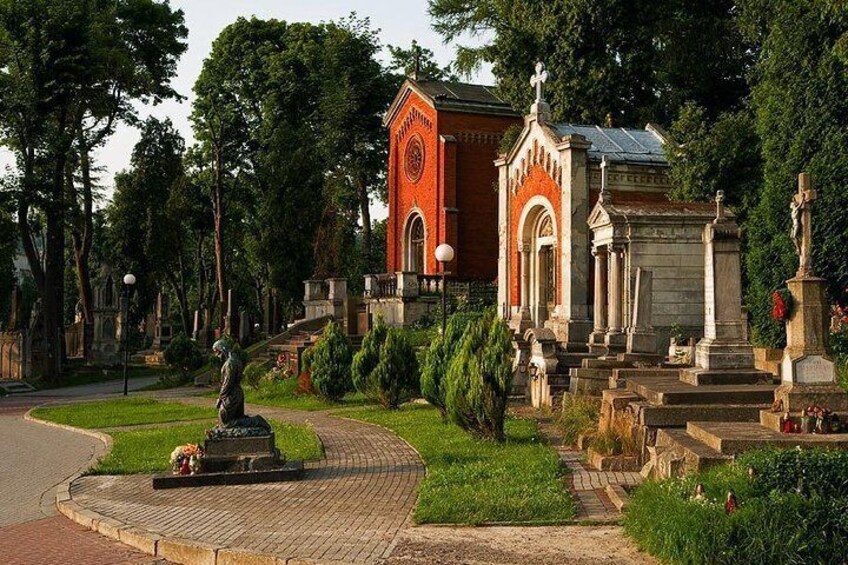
point(719, 199)
point(416, 53)
point(604, 197)
point(538, 80)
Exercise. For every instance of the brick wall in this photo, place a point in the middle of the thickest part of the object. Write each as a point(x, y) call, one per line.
point(456, 192)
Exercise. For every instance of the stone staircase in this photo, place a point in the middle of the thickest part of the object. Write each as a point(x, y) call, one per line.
point(15, 386)
point(595, 374)
point(680, 419)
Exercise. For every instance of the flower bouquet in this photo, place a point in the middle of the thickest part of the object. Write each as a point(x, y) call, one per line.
point(185, 459)
point(781, 304)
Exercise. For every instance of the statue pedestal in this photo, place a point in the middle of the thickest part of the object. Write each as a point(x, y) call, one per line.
point(237, 456)
point(808, 374)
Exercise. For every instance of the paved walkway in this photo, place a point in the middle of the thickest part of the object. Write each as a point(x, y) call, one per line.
point(36, 458)
point(349, 508)
point(588, 485)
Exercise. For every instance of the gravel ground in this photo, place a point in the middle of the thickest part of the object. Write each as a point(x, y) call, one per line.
point(555, 545)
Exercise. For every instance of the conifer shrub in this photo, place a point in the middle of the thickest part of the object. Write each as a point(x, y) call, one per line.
point(479, 378)
point(329, 364)
point(254, 373)
point(367, 358)
point(183, 354)
point(439, 355)
point(395, 378)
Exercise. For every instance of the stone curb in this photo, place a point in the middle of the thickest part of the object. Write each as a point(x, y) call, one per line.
point(186, 552)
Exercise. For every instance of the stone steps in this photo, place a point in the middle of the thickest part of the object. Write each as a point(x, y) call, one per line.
point(700, 377)
point(663, 391)
point(678, 415)
point(731, 438)
point(16, 387)
point(696, 455)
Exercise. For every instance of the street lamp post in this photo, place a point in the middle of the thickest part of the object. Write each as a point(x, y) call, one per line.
point(129, 281)
point(444, 255)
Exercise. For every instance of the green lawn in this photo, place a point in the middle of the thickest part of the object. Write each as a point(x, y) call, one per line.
point(476, 482)
point(283, 393)
point(122, 412)
point(149, 450)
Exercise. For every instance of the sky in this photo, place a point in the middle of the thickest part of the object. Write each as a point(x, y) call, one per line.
point(400, 21)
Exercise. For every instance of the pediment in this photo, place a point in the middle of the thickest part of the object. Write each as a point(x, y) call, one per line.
point(599, 216)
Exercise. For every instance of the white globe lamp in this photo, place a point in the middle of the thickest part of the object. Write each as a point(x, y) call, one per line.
point(444, 253)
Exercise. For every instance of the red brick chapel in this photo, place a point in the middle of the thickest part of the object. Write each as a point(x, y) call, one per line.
point(442, 183)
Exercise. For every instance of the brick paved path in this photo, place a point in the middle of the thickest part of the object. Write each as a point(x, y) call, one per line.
point(586, 484)
point(33, 460)
point(57, 540)
point(349, 507)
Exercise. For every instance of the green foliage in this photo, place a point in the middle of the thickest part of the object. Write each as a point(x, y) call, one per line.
point(792, 511)
point(144, 236)
point(406, 62)
point(183, 354)
point(799, 62)
point(385, 369)
point(479, 378)
point(367, 358)
point(579, 416)
point(636, 61)
point(330, 364)
point(509, 138)
point(712, 155)
point(254, 373)
point(395, 378)
point(479, 482)
point(439, 356)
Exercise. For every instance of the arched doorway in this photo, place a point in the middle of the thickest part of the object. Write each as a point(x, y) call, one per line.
point(539, 272)
point(414, 245)
point(545, 265)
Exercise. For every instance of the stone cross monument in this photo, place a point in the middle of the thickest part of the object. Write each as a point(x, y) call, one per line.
point(807, 371)
point(604, 196)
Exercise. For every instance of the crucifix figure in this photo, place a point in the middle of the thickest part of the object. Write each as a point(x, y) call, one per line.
point(538, 80)
point(719, 200)
point(802, 229)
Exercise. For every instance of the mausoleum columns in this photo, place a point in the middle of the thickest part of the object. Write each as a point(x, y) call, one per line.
point(600, 305)
point(524, 250)
point(615, 310)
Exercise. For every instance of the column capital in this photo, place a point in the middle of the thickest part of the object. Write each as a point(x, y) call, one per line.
point(524, 245)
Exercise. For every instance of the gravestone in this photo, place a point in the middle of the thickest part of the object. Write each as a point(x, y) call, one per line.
point(724, 355)
point(641, 337)
point(163, 331)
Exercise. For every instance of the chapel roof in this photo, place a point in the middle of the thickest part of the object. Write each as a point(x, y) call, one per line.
point(453, 96)
point(622, 145)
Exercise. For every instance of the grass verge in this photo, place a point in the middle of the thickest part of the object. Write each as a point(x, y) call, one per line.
point(122, 412)
point(283, 393)
point(478, 482)
point(792, 510)
point(149, 450)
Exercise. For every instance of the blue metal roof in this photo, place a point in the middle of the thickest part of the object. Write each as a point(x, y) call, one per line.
point(628, 145)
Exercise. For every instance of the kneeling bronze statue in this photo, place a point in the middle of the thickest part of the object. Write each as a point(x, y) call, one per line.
point(230, 404)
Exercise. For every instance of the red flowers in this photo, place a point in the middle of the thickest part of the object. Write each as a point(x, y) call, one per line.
point(781, 305)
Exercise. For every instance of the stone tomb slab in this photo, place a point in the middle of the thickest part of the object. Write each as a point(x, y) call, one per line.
point(809, 369)
point(731, 438)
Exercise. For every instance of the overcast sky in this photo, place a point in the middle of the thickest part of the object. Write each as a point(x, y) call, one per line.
point(400, 21)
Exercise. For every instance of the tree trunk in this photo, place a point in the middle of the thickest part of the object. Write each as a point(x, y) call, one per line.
point(53, 292)
point(218, 208)
point(81, 237)
point(365, 213)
